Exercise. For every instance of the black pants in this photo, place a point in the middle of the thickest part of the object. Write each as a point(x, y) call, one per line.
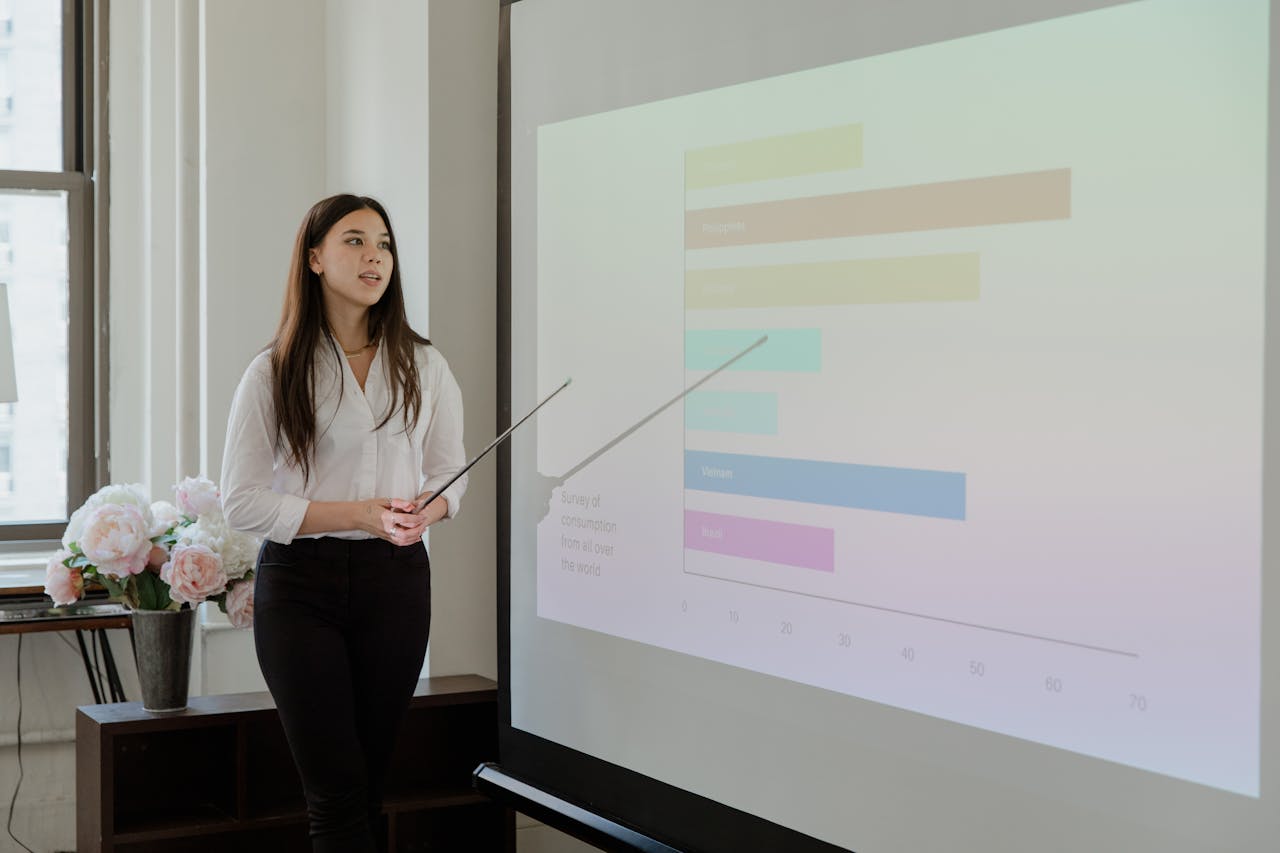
point(341, 631)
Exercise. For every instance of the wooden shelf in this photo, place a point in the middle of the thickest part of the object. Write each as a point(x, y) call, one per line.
point(195, 822)
point(440, 798)
point(218, 776)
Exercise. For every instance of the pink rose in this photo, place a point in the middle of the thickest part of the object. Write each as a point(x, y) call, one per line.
point(193, 573)
point(197, 495)
point(115, 540)
point(64, 585)
point(239, 604)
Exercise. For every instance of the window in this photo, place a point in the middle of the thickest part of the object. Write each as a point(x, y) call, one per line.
point(6, 468)
point(48, 118)
point(6, 87)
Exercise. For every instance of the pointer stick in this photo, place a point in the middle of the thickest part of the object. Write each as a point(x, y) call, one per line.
point(419, 507)
point(610, 445)
point(676, 399)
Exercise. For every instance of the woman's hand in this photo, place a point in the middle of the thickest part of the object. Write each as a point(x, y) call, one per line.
point(410, 525)
point(434, 511)
point(391, 519)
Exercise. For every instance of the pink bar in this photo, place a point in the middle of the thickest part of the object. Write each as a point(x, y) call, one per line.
point(757, 539)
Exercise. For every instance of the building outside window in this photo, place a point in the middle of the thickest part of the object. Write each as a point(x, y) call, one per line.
point(47, 437)
point(6, 467)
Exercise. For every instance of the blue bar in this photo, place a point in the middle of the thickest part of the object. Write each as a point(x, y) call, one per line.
point(749, 412)
point(792, 350)
point(911, 491)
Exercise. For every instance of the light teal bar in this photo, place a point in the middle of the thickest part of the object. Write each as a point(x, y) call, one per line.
point(748, 412)
point(791, 350)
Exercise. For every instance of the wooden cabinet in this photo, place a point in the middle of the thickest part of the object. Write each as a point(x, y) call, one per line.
point(218, 776)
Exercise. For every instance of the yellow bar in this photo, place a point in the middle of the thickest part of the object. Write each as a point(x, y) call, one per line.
point(830, 149)
point(923, 278)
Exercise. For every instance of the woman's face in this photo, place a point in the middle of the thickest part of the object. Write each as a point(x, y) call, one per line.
point(354, 261)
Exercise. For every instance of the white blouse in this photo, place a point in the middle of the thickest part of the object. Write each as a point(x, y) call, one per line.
point(264, 494)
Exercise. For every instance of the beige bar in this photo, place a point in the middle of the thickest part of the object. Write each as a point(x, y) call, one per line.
point(863, 281)
point(997, 200)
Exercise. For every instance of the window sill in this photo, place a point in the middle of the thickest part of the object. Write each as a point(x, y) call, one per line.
point(22, 564)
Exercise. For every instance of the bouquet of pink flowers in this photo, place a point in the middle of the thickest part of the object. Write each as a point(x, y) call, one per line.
point(156, 556)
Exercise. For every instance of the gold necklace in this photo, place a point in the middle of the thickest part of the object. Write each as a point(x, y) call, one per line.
point(353, 353)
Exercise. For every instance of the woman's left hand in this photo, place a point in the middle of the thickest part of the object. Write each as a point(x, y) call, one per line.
point(410, 525)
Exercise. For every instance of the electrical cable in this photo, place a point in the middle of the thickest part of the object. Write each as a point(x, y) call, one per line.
point(14, 799)
point(97, 667)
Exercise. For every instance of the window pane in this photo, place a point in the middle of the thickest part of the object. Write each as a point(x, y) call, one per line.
point(33, 430)
point(30, 85)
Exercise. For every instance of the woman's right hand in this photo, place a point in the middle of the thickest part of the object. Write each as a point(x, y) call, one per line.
point(390, 520)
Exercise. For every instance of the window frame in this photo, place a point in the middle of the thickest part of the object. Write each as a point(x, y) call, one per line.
point(83, 178)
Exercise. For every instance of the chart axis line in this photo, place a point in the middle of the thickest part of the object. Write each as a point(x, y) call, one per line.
point(959, 622)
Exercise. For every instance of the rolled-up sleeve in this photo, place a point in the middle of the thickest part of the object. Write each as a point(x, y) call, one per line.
point(248, 500)
point(442, 452)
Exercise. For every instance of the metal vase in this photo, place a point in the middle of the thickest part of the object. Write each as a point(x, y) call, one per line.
point(162, 649)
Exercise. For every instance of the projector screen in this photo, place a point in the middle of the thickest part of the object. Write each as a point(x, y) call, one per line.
point(909, 492)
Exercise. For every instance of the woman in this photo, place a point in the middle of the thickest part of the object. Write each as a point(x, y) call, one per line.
point(336, 431)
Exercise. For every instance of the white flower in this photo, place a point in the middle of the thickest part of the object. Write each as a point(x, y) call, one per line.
point(239, 551)
point(166, 516)
point(128, 493)
point(197, 496)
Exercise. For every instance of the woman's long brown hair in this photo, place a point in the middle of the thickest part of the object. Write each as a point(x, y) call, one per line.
point(304, 329)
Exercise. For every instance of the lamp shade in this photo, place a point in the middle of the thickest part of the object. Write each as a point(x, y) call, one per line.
point(8, 379)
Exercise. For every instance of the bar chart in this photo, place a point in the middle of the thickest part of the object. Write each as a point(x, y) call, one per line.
point(716, 296)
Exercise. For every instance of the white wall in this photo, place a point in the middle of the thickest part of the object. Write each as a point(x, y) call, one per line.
point(463, 75)
point(263, 159)
point(376, 123)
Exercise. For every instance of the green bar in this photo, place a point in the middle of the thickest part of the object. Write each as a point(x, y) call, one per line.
point(750, 412)
point(923, 278)
point(795, 350)
point(831, 149)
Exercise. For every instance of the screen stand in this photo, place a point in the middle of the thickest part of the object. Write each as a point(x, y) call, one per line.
point(584, 825)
